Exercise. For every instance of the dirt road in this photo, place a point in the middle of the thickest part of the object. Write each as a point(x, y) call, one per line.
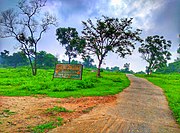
point(142, 107)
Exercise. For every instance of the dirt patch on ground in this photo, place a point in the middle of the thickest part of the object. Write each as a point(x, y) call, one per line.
point(21, 114)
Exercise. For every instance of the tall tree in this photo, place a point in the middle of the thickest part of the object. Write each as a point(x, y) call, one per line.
point(109, 35)
point(68, 37)
point(46, 60)
point(155, 50)
point(88, 62)
point(27, 27)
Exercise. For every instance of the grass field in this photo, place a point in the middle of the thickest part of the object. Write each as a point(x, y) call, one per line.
point(20, 82)
point(170, 83)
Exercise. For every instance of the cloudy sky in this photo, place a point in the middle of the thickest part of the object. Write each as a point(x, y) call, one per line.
point(161, 17)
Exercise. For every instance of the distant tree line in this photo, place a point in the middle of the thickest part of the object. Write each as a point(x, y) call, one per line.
point(44, 60)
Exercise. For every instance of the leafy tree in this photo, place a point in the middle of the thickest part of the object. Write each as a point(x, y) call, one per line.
point(88, 62)
point(126, 67)
point(27, 27)
point(171, 68)
point(155, 50)
point(109, 35)
point(108, 69)
point(68, 37)
point(46, 60)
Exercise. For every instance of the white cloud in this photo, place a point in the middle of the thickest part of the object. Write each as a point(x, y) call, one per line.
point(53, 8)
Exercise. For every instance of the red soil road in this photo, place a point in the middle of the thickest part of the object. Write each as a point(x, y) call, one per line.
point(142, 107)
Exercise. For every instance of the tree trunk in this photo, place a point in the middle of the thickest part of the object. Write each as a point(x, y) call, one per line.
point(35, 60)
point(35, 65)
point(149, 70)
point(69, 60)
point(34, 71)
point(99, 69)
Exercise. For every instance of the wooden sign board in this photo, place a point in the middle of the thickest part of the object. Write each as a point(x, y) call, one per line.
point(68, 71)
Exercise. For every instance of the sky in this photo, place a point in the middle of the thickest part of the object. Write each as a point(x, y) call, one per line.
point(154, 17)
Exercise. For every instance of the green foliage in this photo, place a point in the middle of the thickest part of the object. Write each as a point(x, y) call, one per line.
point(46, 60)
point(88, 62)
point(20, 82)
point(57, 109)
point(68, 37)
point(17, 59)
point(8, 112)
point(171, 68)
point(170, 83)
point(155, 51)
point(47, 126)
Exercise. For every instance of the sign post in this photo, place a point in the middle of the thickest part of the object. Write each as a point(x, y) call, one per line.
point(68, 71)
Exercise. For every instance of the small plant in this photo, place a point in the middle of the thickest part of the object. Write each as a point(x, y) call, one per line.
point(8, 112)
point(47, 126)
point(41, 128)
point(57, 109)
point(59, 121)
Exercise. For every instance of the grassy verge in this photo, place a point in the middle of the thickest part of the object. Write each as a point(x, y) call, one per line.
point(170, 83)
point(20, 82)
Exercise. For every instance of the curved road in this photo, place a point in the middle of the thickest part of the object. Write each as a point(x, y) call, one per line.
point(140, 108)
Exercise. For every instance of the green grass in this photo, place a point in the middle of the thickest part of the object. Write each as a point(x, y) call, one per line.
point(8, 112)
point(20, 82)
point(170, 83)
point(47, 126)
point(57, 109)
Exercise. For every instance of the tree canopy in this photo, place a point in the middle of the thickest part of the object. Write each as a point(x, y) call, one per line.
point(69, 38)
point(109, 35)
point(155, 50)
point(46, 60)
point(88, 62)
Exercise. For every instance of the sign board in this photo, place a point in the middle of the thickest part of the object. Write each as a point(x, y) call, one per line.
point(70, 71)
